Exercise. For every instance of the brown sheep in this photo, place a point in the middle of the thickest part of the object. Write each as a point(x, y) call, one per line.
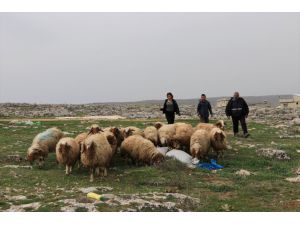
point(208, 126)
point(141, 150)
point(96, 153)
point(112, 140)
point(151, 133)
point(166, 134)
point(67, 153)
point(42, 144)
point(95, 129)
point(116, 131)
point(218, 141)
point(182, 137)
point(131, 130)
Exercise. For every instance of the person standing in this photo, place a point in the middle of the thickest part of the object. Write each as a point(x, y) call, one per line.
point(204, 109)
point(238, 109)
point(170, 108)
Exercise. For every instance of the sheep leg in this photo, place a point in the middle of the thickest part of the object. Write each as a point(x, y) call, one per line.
point(67, 170)
point(70, 169)
point(97, 171)
point(41, 162)
point(91, 174)
point(104, 171)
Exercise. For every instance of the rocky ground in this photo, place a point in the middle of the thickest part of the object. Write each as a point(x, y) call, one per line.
point(135, 110)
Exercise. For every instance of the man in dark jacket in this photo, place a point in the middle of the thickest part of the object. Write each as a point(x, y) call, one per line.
point(204, 109)
point(238, 109)
point(170, 108)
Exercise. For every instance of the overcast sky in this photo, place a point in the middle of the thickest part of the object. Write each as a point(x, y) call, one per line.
point(100, 57)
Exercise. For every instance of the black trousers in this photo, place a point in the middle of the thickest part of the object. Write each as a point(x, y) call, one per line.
point(235, 122)
point(204, 119)
point(170, 116)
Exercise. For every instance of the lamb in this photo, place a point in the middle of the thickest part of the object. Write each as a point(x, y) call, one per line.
point(96, 153)
point(151, 133)
point(67, 153)
point(42, 144)
point(207, 126)
point(200, 144)
point(202, 140)
point(131, 130)
point(141, 150)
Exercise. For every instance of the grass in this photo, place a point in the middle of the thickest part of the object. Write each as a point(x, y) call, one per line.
point(265, 190)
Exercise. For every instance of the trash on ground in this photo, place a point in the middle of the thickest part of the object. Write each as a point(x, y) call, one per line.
point(210, 166)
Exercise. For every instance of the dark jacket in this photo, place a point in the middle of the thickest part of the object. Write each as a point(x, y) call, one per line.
point(204, 108)
point(176, 108)
point(236, 108)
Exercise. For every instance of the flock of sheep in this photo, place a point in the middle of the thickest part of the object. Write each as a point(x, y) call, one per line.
point(95, 149)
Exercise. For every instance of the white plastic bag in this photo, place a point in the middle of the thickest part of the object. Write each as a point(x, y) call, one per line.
point(163, 150)
point(181, 156)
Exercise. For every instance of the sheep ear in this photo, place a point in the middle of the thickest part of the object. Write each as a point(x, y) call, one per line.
point(111, 139)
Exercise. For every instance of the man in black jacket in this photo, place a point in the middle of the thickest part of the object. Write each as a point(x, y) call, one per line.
point(238, 109)
point(204, 109)
point(170, 108)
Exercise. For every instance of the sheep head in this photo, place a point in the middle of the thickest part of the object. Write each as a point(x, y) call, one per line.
point(217, 138)
point(88, 148)
point(221, 124)
point(195, 150)
point(111, 139)
point(34, 152)
point(95, 129)
point(158, 125)
point(157, 158)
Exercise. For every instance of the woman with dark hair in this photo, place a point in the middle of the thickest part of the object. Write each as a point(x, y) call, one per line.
point(170, 108)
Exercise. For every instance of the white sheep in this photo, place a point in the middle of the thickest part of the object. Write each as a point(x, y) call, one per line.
point(200, 144)
point(42, 144)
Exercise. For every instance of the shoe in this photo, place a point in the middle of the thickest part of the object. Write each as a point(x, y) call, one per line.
point(246, 135)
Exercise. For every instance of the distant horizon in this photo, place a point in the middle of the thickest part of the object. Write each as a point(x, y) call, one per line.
point(144, 100)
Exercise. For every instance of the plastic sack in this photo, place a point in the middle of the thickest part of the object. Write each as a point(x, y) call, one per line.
point(163, 150)
point(181, 156)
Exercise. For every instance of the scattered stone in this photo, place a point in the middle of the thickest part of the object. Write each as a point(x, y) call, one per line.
point(226, 207)
point(16, 166)
point(16, 158)
point(135, 202)
point(95, 189)
point(293, 179)
point(296, 121)
point(273, 153)
point(243, 173)
point(23, 207)
point(298, 171)
point(16, 198)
